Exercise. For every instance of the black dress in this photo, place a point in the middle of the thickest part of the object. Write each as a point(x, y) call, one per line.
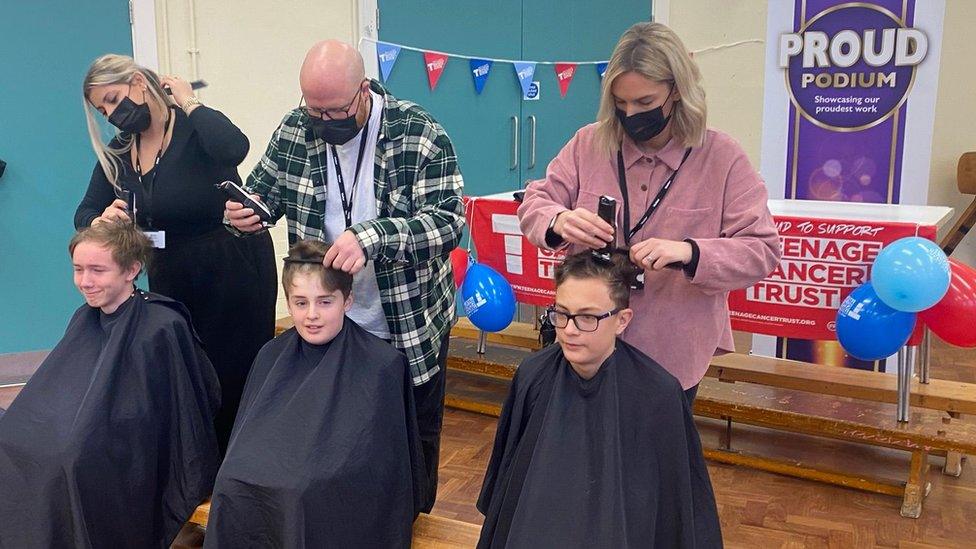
point(229, 284)
point(111, 443)
point(611, 461)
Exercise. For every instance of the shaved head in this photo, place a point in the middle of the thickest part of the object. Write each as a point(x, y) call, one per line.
point(331, 74)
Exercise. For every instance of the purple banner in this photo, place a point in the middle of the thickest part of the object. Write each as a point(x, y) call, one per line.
point(848, 80)
point(849, 69)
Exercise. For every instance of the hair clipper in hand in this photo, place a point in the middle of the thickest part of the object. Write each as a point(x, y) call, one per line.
point(237, 193)
point(129, 197)
point(607, 211)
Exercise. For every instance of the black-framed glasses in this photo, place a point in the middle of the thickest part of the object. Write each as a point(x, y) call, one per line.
point(332, 114)
point(585, 322)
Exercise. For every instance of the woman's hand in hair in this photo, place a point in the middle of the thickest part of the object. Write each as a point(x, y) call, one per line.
point(655, 254)
point(115, 210)
point(182, 91)
point(583, 227)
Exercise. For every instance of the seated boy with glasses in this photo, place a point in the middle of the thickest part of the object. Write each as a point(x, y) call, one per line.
point(596, 446)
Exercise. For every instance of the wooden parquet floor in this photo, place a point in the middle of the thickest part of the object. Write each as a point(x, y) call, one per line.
point(759, 509)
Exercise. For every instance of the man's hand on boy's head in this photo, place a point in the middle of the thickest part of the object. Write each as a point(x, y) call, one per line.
point(345, 254)
point(656, 254)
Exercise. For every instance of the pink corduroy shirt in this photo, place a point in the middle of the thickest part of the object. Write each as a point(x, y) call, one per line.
point(717, 199)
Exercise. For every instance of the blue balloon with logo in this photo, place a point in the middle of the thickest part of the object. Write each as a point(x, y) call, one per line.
point(488, 299)
point(911, 274)
point(869, 329)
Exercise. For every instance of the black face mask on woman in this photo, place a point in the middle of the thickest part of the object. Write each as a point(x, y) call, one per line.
point(130, 117)
point(645, 125)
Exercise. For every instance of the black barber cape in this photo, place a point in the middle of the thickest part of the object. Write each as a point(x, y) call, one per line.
point(613, 461)
point(111, 443)
point(325, 450)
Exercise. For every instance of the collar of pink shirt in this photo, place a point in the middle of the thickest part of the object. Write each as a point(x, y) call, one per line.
point(671, 154)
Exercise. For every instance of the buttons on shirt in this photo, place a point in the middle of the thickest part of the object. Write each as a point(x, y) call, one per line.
point(643, 187)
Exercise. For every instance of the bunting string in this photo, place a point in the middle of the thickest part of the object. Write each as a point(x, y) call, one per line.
point(479, 67)
point(493, 59)
point(496, 60)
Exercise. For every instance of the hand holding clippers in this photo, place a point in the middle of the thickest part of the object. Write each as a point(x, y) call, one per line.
point(129, 197)
point(237, 193)
point(607, 211)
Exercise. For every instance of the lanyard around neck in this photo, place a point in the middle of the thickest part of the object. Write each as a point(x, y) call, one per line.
point(622, 179)
point(347, 199)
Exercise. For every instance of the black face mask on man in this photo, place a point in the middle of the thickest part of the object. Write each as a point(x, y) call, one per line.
point(130, 117)
point(645, 125)
point(334, 132)
point(337, 131)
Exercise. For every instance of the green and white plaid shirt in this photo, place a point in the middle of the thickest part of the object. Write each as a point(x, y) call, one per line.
point(420, 216)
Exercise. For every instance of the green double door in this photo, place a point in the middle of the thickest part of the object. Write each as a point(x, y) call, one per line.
point(501, 139)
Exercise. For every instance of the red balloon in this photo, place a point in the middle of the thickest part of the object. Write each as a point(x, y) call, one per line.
point(953, 318)
point(459, 263)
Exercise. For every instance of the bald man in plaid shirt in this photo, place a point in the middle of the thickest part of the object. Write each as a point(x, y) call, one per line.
point(377, 177)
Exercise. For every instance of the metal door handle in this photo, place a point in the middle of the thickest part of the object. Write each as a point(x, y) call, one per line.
point(515, 143)
point(532, 123)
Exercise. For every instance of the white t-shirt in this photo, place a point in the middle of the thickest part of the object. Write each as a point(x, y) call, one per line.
point(367, 310)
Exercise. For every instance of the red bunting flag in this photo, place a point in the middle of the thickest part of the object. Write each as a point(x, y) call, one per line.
point(435, 63)
point(564, 74)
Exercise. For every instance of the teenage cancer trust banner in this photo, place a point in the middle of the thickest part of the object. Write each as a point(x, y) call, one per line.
point(823, 261)
point(849, 105)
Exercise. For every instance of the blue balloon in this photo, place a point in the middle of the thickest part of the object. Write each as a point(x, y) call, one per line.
point(488, 299)
point(911, 274)
point(870, 330)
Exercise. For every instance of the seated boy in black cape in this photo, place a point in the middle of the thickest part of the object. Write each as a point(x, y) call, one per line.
point(325, 450)
point(111, 443)
point(595, 445)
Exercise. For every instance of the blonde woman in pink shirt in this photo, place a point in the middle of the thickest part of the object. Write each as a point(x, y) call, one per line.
point(687, 199)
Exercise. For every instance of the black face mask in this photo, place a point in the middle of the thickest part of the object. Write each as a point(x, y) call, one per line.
point(130, 117)
point(645, 125)
point(334, 132)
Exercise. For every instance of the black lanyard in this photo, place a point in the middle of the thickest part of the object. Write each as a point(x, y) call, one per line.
point(155, 169)
point(347, 200)
point(622, 179)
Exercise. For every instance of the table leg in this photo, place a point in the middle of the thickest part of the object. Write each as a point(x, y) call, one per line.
point(482, 342)
point(923, 363)
point(906, 360)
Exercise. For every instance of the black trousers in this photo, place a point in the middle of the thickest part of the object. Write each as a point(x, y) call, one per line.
point(429, 401)
point(229, 284)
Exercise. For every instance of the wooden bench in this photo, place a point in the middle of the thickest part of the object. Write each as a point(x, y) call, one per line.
point(838, 418)
point(429, 531)
point(842, 404)
point(953, 397)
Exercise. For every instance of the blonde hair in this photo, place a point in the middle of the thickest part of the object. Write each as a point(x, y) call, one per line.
point(655, 52)
point(123, 239)
point(116, 69)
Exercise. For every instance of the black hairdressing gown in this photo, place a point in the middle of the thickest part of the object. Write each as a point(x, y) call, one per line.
point(613, 461)
point(325, 450)
point(111, 443)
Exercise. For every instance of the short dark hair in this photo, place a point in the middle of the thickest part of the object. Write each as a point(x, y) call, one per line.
point(616, 273)
point(305, 251)
point(127, 243)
